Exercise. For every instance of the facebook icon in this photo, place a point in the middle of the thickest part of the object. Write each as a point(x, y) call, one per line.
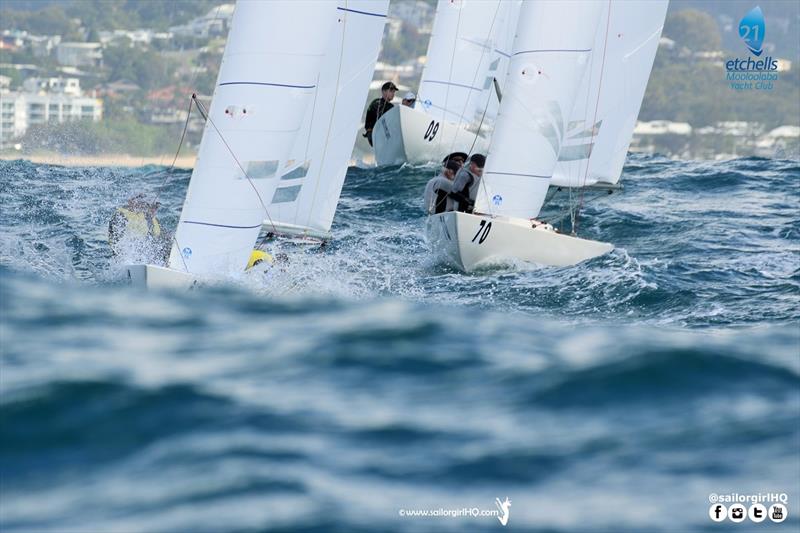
point(718, 512)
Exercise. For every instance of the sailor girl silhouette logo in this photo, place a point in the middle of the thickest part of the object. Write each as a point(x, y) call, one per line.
point(751, 30)
point(503, 507)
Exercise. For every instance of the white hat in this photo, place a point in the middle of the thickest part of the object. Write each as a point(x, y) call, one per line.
point(410, 96)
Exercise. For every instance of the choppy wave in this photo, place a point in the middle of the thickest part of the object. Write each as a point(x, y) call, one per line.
point(367, 378)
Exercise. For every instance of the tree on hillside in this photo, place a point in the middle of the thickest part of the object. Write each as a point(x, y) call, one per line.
point(696, 30)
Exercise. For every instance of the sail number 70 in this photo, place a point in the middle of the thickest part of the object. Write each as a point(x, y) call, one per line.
point(483, 232)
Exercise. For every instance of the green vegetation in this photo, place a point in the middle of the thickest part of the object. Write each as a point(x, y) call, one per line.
point(109, 136)
point(57, 18)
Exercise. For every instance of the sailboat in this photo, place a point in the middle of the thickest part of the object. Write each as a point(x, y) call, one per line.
point(574, 87)
point(468, 55)
point(278, 135)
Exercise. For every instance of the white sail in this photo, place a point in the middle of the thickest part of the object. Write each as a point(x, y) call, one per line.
point(551, 53)
point(611, 94)
point(266, 81)
point(469, 46)
point(308, 188)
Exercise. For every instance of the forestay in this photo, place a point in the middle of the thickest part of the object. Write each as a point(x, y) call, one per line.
point(266, 81)
point(550, 55)
point(611, 93)
point(307, 189)
point(469, 46)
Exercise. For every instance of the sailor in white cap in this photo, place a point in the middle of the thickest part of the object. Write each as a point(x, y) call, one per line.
point(409, 99)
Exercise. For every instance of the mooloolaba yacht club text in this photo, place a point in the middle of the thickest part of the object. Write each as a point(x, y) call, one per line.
point(748, 74)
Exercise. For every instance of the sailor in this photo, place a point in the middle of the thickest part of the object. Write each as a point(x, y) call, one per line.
point(136, 222)
point(458, 157)
point(409, 99)
point(378, 107)
point(437, 188)
point(465, 185)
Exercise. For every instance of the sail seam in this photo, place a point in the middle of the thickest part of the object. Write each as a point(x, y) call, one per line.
point(361, 12)
point(519, 174)
point(198, 223)
point(553, 50)
point(267, 84)
point(454, 84)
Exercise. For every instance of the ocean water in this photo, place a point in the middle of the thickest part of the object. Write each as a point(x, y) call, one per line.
point(365, 379)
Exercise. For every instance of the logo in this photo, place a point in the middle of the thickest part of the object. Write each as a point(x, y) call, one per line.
point(778, 512)
point(718, 512)
point(759, 73)
point(503, 507)
point(497, 199)
point(737, 512)
point(187, 252)
point(427, 103)
point(751, 30)
point(757, 513)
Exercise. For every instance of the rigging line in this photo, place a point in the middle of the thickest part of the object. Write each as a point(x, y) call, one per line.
point(450, 73)
point(568, 211)
point(330, 122)
point(222, 138)
point(474, 78)
point(594, 120)
point(172, 166)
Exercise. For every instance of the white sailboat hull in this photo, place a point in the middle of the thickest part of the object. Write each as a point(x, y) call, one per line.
point(468, 241)
point(158, 277)
point(406, 135)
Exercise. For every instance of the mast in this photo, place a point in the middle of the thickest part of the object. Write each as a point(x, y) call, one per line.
point(550, 56)
point(266, 81)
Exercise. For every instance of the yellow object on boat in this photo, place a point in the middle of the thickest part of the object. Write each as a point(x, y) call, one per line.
point(258, 256)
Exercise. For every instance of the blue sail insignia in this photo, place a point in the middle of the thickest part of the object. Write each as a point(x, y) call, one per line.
point(751, 30)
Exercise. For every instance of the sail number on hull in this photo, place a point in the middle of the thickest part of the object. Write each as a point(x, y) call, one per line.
point(430, 133)
point(483, 232)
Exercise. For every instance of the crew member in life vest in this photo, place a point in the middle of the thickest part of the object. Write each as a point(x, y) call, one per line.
point(465, 185)
point(135, 230)
point(378, 107)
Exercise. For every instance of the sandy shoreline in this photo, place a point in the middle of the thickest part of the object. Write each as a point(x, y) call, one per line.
point(105, 160)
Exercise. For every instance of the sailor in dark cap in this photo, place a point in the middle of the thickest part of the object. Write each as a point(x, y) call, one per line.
point(465, 186)
point(458, 157)
point(378, 107)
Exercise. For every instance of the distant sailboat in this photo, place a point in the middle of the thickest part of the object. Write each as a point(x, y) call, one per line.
point(563, 56)
point(457, 101)
point(272, 85)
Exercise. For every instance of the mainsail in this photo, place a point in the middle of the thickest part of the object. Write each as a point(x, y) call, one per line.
point(470, 45)
point(267, 80)
point(601, 124)
point(551, 54)
point(307, 189)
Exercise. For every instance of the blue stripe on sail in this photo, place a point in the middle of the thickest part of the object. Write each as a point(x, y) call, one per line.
point(553, 50)
point(502, 53)
point(518, 174)
point(268, 84)
point(219, 225)
point(454, 84)
point(361, 12)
